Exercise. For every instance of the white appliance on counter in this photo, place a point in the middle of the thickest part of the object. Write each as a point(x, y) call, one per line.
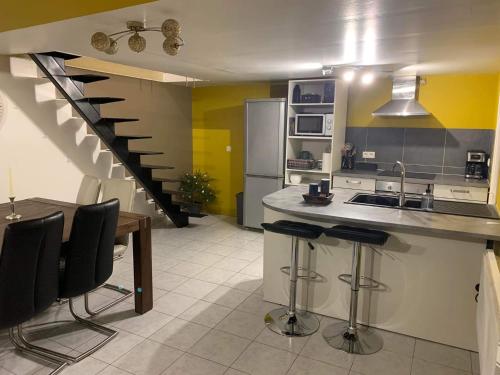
point(264, 155)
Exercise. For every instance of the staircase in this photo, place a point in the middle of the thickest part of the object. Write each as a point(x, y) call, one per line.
point(71, 87)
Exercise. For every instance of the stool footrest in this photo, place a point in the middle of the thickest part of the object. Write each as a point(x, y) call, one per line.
point(302, 273)
point(370, 284)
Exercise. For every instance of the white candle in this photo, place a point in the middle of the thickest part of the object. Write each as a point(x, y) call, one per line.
point(11, 184)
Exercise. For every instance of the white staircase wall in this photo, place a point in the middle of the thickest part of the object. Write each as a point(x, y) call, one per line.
point(43, 141)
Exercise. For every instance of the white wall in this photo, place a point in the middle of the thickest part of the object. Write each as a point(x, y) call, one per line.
point(38, 150)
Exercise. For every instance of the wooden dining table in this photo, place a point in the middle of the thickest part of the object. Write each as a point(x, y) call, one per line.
point(137, 224)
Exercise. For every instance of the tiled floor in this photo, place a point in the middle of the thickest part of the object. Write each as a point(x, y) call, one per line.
point(208, 319)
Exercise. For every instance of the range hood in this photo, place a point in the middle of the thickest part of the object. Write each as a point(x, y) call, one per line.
point(404, 102)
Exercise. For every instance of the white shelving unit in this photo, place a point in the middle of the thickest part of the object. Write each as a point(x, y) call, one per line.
point(317, 145)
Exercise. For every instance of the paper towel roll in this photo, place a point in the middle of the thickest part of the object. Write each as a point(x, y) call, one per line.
point(327, 162)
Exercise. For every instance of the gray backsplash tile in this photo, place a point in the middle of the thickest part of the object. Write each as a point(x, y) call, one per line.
point(387, 144)
point(357, 136)
point(422, 149)
point(424, 146)
point(459, 141)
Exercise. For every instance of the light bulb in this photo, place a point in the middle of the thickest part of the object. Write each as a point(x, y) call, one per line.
point(367, 78)
point(100, 41)
point(348, 75)
point(137, 43)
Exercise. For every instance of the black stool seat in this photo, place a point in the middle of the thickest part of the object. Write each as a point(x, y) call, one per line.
point(294, 228)
point(363, 235)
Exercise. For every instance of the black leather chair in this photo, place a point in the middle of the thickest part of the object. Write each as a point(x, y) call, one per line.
point(29, 264)
point(348, 336)
point(86, 263)
point(288, 320)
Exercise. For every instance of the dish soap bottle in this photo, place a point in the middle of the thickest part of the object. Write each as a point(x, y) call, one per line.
point(427, 199)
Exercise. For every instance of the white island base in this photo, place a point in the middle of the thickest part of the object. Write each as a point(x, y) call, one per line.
point(427, 282)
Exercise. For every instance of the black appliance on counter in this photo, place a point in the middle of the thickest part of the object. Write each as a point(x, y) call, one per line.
point(476, 165)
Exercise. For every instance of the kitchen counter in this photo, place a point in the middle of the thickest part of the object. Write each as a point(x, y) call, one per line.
point(290, 201)
point(441, 179)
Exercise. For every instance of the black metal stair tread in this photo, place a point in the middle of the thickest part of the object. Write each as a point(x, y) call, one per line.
point(154, 166)
point(133, 136)
point(61, 55)
point(187, 204)
point(166, 179)
point(104, 120)
point(143, 152)
point(171, 191)
point(100, 100)
point(84, 78)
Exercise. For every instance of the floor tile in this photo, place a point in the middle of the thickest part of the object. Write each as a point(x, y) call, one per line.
point(195, 246)
point(382, 363)
point(307, 366)
point(475, 362)
point(220, 347)
point(189, 364)
point(173, 303)
point(291, 344)
point(256, 268)
point(246, 283)
point(148, 358)
point(242, 324)
point(443, 355)
point(180, 334)
point(124, 317)
point(232, 264)
point(169, 281)
point(215, 275)
point(256, 305)
point(221, 249)
point(195, 288)
point(111, 370)
point(226, 296)
point(187, 269)
point(421, 367)
point(396, 343)
point(114, 349)
point(260, 359)
point(206, 259)
point(88, 366)
point(232, 371)
point(247, 255)
point(205, 313)
point(316, 348)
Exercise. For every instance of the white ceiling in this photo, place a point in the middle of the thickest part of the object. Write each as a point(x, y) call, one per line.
point(234, 40)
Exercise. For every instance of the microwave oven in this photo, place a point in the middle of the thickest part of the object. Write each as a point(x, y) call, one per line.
point(314, 124)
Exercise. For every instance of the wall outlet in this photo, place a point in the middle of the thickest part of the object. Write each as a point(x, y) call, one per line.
point(368, 154)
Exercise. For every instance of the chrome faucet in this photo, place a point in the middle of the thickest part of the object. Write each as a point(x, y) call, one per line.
point(402, 198)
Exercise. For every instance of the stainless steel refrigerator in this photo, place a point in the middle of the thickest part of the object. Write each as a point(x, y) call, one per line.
point(264, 154)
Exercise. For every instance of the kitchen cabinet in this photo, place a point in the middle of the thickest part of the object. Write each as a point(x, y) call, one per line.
point(461, 193)
point(488, 316)
point(366, 184)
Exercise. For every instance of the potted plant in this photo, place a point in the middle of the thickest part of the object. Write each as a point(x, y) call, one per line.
point(196, 191)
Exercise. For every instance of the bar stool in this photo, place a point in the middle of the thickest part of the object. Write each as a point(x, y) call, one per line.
point(288, 321)
point(345, 335)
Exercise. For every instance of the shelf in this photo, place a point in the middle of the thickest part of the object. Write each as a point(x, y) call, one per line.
point(312, 104)
point(310, 137)
point(313, 171)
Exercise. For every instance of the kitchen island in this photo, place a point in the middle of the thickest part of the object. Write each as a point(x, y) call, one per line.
point(428, 269)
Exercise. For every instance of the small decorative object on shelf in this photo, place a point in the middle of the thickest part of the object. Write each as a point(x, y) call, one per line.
point(321, 199)
point(328, 92)
point(13, 215)
point(196, 190)
point(296, 94)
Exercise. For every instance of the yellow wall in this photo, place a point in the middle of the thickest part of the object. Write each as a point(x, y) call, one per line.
point(455, 101)
point(217, 114)
point(19, 14)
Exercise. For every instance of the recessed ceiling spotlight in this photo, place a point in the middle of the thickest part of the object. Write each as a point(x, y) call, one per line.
point(349, 75)
point(367, 78)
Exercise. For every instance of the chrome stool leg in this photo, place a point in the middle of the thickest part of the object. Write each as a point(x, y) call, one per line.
point(288, 321)
point(347, 336)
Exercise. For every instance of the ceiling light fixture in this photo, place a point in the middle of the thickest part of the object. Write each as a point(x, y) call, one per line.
point(348, 75)
point(170, 29)
point(367, 78)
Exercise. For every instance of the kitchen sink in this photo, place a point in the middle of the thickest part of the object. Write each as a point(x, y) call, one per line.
point(413, 203)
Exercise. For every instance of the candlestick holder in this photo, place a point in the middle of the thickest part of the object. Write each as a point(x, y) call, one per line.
point(13, 215)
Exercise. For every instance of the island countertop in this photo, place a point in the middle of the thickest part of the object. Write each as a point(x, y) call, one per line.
point(290, 201)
